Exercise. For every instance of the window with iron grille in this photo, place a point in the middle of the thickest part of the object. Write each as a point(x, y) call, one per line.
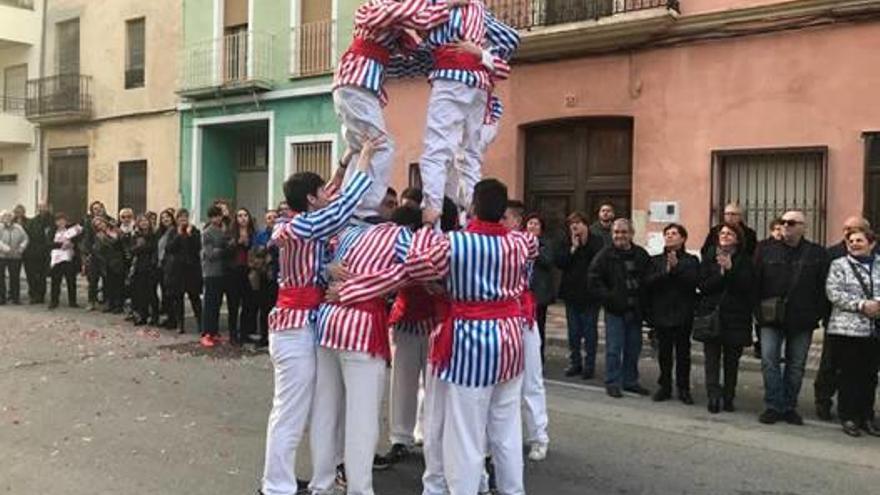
point(872, 178)
point(253, 147)
point(769, 182)
point(135, 54)
point(314, 156)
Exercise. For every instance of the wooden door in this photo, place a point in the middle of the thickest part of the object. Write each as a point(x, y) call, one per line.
point(576, 165)
point(69, 181)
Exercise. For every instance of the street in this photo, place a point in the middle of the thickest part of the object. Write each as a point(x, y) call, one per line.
point(91, 405)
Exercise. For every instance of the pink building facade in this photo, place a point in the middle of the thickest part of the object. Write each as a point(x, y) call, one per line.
point(671, 115)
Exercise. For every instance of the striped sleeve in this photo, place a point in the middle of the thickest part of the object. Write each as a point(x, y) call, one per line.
point(372, 285)
point(327, 221)
point(428, 259)
point(381, 14)
point(429, 17)
point(503, 39)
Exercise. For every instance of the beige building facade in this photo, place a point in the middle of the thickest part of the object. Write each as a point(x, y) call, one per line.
point(105, 104)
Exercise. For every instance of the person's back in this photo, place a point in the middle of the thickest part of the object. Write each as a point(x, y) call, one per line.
point(215, 246)
point(796, 273)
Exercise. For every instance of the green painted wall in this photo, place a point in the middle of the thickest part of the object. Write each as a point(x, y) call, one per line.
point(218, 166)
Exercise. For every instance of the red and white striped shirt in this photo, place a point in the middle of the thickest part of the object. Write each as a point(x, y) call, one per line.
point(383, 22)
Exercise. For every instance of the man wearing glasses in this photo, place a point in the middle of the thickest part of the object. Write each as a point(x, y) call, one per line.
point(733, 213)
point(791, 300)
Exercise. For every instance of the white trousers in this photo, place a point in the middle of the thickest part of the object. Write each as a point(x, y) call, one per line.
point(455, 119)
point(361, 116)
point(534, 397)
point(348, 390)
point(472, 414)
point(293, 357)
point(433, 480)
point(469, 168)
point(409, 362)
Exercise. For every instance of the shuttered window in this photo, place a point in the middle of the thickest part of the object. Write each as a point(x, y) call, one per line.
point(135, 57)
point(314, 157)
point(67, 39)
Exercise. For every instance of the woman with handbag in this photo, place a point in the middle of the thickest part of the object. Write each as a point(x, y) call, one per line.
point(853, 287)
point(727, 278)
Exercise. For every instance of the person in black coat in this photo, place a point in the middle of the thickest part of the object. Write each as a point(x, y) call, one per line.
point(143, 272)
point(733, 214)
point(727, 278)
point(541, 283)
point(573, 257)
point(672, 289)
point(41, 233)
point(182, 271)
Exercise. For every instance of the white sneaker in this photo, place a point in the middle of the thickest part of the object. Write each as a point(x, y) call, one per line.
point(538, 452)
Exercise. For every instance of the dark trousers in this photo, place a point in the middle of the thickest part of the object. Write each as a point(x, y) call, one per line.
point(583, 330)
point(716, 353)
point(541, 318)
point(857, 359)
point(241, 303)
point(36, 270)
point(267, 297)
point(67, 271)
point(176, 309)
point(114, 286)
point(144, 299)
point(13, 268)
point(674, 341)
point(215, 288)
point(825, 384)
point(95, 277)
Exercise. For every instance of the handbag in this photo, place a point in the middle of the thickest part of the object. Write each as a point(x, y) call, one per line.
point(707, 327)
point(771, 310)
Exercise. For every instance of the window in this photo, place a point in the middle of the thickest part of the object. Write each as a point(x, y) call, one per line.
point(314, 157)
point(253, 148)
point(14, 88)
point(872, 178)
point(312, 39)
point(8, 179)
point(133, 185)
point(67, 41)
point(135, 53)
point(767, 183)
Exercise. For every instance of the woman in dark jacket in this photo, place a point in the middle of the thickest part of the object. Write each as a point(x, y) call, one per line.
point(727, 281)
point(672, 286)
point(183, 271)
point(143, 272)
point(240, 295)
point(541, 283)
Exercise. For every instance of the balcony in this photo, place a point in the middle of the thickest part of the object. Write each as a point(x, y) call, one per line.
point(311, 49)
point(556, 28)
point(15, 130)
point(236, 63)
point(62, 99)
point(19, 23)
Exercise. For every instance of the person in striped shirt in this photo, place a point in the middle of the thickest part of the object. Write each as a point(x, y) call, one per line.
point(462, 76)
point(358, 86)
point(301, 237)
point(353, 351)
point(477, 352)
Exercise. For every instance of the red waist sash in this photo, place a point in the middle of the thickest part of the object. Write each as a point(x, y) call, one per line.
point(446, 57)
point(414, 304)
point(378, 345)
point(309, 297)
point(529, 308)
point(441, 351)
point(370, 49)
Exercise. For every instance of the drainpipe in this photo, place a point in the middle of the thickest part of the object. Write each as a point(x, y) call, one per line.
point(42, 174)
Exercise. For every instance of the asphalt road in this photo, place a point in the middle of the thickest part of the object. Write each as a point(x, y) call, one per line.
point(90, 405)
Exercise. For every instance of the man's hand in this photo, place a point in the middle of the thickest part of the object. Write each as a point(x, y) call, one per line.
point(339, 271)
point(468, 47)
point(369, 146)
point(430, 216)
point(871, 308)
point(332, 293)
point(346, 157)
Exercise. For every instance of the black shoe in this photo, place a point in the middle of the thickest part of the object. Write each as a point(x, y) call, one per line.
point(851, 428)
point(169, 324)
point(381, 463)
point(613, 391)
point(728, 404)
point(823, 411)
point(73, 305)
point(573, 371)
point(871, 428)
point(139, 322)
point(714, 406)
point(793, 418)
point(662, 394)
point(638, 389)
point(397, 453)
point(53, 305)
point(341, 479)
point(769, 417)
point(685, 397)
point(588, 375)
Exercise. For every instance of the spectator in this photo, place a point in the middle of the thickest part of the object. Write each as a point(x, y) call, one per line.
point(573, 257)
point(240, 298)
point(109, 252)
point(41, 231)
point(226, 210)
point(825, 383)
point(182, 271)
point(165, 266)
point(266, 298)
point(283, 209)
point(215, 255)
point(774, 234)
point(791, 283)
point(853, 331)
point(94, 267)
point(143, 273)
point(19, 215)
point(733, 213)
point(541, 283)
point(411, 196)
point(601, 228)
point(127, 230)
point(727, 277)
point(13, 243)
point(62, 260)
point(617, 277)
point(388, 204)
point(154, 220)
point(672, 284)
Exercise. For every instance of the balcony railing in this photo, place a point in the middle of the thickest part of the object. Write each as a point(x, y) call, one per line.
point(12, 105)
point(22, 4)
point(527, 14)
point(235, 62)
point(311, 48)
point(59, 99)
